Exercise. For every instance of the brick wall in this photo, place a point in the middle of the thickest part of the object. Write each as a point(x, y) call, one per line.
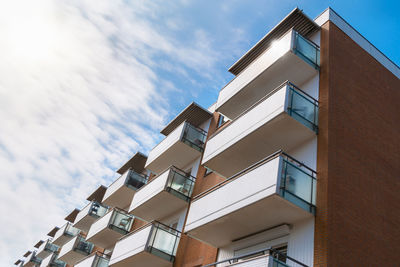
point(358, 200)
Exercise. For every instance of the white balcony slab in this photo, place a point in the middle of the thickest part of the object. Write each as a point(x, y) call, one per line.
point(94, 260)
point(104, 232)
point(46, 249)
point(119, 194)
point(172, 151)
point(246, 205)
point(133, 250)
point(46, 261)
point(154, 201)
point(64, 234)
point(31, 260)
point(87, 216)
point(263, 129)
point(276, 65)
point(72, 251)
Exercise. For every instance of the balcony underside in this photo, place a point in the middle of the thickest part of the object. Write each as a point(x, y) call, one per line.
point(179, 154)
point(106, 238)
point(62, 240)
point(29, 264)
point(159, 206)
point(241, 96)
point(143, 259)
point(261, 215)
point(44, 253)
point(72, 257)
point(121, 198)
point(85, 223)
point(281, 132)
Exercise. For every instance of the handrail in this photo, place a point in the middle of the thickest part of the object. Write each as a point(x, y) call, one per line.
point(127, 171)
point(287, 82)
point(145, 226)
point(171, 167)
point(283, 35)
point(271, 252)
point(251, 167)
point(183, 129)
point(95, 253)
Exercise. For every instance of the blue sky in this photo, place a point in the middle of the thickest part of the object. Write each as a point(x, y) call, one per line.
point(86, 83)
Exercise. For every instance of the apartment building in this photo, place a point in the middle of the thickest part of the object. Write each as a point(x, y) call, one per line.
point(296, 164)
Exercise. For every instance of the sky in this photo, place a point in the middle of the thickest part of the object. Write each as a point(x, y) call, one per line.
point(84, 84)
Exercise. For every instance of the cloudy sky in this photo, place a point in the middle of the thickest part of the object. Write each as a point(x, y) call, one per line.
point(85, 84)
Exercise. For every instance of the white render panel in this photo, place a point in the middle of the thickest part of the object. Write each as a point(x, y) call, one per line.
point(69, 246)
point(330, 14)
point(168, 141)
point(247, 123)
point(115, 185)
point(301, 242)
point(149, 190)
point(130, 245)
point(265, 60)
point(60, 232)
point(87, 262)
point(249, 188)
point(100, 224)
point(311, 86)
point(84, 212)
point(46, 261)
point(306, 153)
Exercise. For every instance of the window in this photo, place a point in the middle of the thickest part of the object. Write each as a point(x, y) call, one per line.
point(221, 120)
point(208, 171)
point(282, 252)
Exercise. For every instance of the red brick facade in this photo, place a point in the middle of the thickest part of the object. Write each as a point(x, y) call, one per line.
point(358, 201)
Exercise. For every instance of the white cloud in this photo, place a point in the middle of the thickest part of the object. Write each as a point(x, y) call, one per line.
point(78, 95)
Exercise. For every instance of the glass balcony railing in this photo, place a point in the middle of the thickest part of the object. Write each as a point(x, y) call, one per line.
point(194, 137)
point(97, 210)
point(121, 222)
point(306, 49)
point(100, 260)
point(70, 230)
point(298, 183)
point(163, 241)
point(34, 259)
point(51, 247)
point(83, 246)
point(56, 262)
point(302, 107)
point(180, 183)
point(135, 180)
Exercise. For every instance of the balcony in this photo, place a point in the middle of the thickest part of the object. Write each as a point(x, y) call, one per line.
point(182, 146)
point(89, 214)
point(52, 261)
point(152, 245)
point(106, 230)
point(260, 258)
point(120, 193)
point(283, 119)
point(96, 260)
point(277, 190)
point(32, 260)
point(64, 234)
point(46, 248)
point(75, 250)
point(292, 57)
point(168, 192)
